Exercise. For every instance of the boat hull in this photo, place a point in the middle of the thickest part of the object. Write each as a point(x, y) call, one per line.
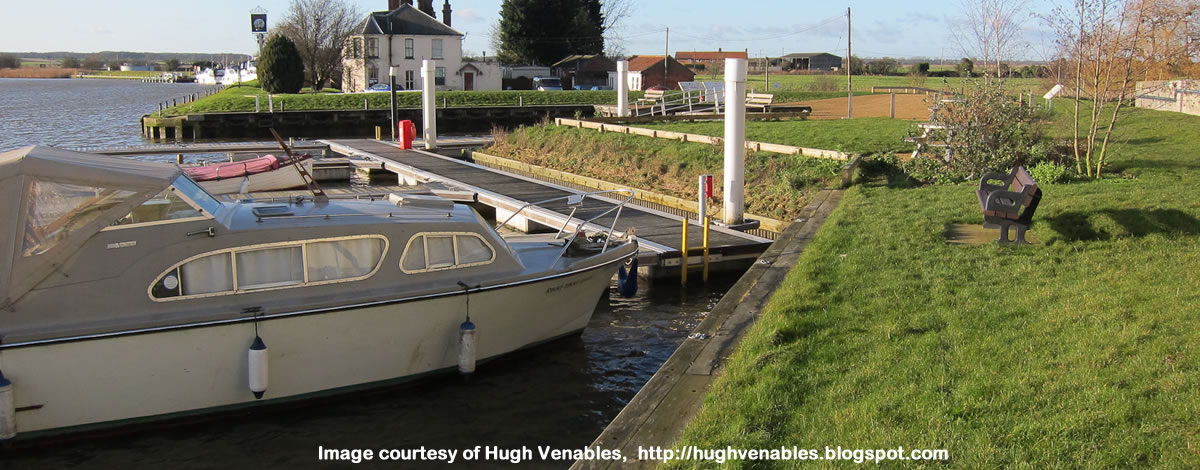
point(147, 374)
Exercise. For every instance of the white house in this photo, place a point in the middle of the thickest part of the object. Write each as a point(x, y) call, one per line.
point(403, 37)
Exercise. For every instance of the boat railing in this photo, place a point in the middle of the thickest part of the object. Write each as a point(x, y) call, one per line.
point(575, 201)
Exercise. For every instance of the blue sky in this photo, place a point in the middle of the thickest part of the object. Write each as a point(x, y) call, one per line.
point(771, 27)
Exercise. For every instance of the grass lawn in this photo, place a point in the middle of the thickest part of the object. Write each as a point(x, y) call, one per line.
point(1083, 351)
point(865, 136)
point(863, 83)
point(781, 183)
point(240, 98)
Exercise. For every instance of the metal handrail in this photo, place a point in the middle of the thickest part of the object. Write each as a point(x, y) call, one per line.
point(575, 201)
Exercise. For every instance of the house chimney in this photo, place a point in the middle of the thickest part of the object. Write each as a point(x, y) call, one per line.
point(427, 7)
point(446, 13)
point(393, 4)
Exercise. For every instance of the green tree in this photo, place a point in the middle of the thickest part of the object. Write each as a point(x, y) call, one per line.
point(923, 68)
point(884, 66)
point(280, 68)
point(985, 131)
point(69, 63)
point(856, 66)
point(965, 68)
point(9, 61)
point(172, 64)
point(534, 31)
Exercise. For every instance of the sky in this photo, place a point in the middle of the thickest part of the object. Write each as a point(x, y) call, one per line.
point(881, 28)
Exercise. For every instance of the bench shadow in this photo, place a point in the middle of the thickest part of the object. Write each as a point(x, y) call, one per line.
point(1076, 226)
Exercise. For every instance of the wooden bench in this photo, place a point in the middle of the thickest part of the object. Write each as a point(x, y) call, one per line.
point(650, 97)
point(1002, 203)
point(760, 100)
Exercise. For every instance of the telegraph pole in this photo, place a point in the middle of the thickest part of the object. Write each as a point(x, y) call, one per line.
point(666, 55)
point(849, 81)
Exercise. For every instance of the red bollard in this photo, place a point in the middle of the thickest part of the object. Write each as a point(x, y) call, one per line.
point(408, 132)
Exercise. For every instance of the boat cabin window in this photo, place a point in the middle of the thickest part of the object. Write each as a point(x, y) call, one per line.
point(438, 251)
point(167, 205)
point(274, 266)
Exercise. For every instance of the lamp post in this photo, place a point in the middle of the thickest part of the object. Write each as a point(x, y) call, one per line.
point(392, 92)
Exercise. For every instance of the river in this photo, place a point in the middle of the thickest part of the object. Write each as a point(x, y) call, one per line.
point(560, 394)
point(78, 113)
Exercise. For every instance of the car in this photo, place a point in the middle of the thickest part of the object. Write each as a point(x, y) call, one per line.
point(547, 83)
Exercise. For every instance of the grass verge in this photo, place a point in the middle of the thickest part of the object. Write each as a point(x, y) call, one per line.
point(781, 184)
point(1083, 351)
point(865, 136)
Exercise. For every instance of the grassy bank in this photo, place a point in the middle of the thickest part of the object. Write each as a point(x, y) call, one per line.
point(865, 136)
point(1078, 352)
point(240, 98)
point(781, 183)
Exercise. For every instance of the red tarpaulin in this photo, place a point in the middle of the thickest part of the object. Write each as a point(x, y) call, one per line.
point(237, 169)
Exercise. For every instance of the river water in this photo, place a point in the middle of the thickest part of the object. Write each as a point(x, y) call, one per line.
point(78, 113)
point(560, 394)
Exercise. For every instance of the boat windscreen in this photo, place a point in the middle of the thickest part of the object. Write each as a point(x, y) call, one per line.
point(196, 194)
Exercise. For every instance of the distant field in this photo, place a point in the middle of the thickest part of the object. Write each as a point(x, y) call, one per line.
point(863, 83)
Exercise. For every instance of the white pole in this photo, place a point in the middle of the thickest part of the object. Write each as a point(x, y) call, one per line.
point(622, 88)
point(735, 139)
point(428, 106)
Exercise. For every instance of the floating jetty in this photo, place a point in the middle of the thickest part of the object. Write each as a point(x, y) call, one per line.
point(660, 233)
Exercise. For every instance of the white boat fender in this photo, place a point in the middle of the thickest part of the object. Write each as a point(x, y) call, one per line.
point(257, 357)
point(466, 347)
point(627, 280)
point(8, 411)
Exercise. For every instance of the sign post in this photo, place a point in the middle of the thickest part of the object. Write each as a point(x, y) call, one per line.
point(258, 26)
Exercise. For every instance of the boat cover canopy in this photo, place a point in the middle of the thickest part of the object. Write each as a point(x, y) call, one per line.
point(253, 166)
point(58, 200)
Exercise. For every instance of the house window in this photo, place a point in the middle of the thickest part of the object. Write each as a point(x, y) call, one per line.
point(439, 76)
point(441, 251)
point(356, 48)
point(275, 266)
point(372, 74)
point(409, 79)
point(373, 47)
point(408, 49)
point(437, 49)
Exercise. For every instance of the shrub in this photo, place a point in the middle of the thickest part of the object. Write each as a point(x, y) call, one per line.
point(1049, 173)
point(987, 131)
point(281, 70)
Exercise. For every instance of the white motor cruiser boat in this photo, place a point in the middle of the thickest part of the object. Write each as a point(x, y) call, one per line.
point(129, 293)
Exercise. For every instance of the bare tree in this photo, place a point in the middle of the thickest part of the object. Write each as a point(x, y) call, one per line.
point(320, 29)
point(615, 13)
point(990, 31)
point(1100, 38)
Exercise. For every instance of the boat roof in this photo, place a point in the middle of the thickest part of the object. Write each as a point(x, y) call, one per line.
point(59, 199)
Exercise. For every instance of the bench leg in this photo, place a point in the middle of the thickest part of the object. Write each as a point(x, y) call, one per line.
point(1020, 240)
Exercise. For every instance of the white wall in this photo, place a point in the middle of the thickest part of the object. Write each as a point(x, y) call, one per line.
point(392, 53)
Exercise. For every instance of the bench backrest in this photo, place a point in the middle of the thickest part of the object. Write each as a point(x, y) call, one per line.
point(653, 94)
point(1023, 183)
point(760, 99)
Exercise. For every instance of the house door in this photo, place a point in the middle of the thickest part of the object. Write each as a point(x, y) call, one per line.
point(468, 81)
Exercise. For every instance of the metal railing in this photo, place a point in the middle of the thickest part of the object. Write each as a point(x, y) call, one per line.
point(575, 201)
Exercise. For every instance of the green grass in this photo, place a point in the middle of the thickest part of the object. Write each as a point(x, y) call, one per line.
point(1082, 351)
point(782, 183)
point(125, 73)
point(239, 98)
point(863, 83)
point(865, 136)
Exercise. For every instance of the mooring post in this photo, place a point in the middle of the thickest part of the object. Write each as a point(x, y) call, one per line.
point(622, 88)
point(704, 188)
point(391, 99)
point(270, 103)
point(735, 139)
point(683, 250)
point(892, 110)
point(428, 105)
